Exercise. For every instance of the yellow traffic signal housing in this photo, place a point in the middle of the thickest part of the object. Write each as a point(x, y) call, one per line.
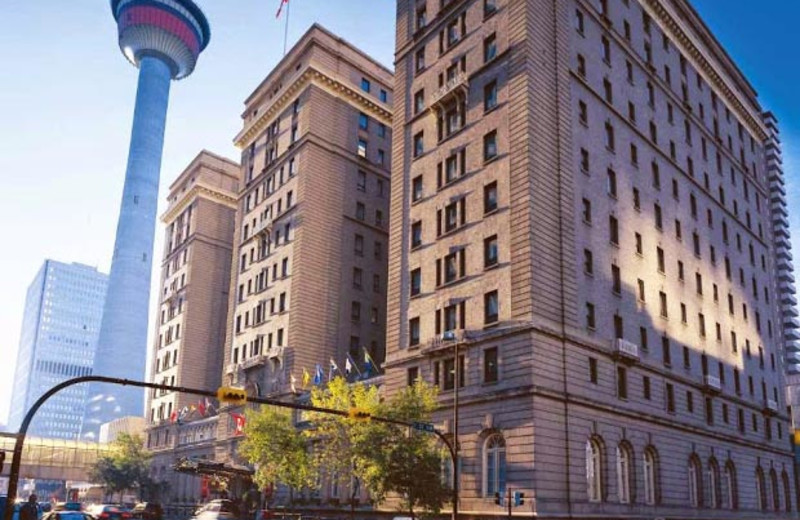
point(358, 415)
point(230, 395)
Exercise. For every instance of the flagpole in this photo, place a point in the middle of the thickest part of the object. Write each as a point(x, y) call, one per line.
point(286, 28)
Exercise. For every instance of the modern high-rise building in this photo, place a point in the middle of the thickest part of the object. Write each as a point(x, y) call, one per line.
point(582, 250)
point(309, 281)
point(63, 309)
point(164, 39)
point(195, 278)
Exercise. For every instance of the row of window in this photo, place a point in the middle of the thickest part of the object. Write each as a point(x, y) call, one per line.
point(684, 91)
point(454, 317)
point(622, 391)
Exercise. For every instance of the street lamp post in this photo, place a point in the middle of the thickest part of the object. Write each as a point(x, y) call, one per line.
point(457, 364)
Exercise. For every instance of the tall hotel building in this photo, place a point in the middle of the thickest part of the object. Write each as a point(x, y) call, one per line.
point(193, 300)
point(63, 309)
point(582, 214)
point(309, 280)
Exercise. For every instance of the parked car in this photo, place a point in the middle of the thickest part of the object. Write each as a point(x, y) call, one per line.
point(217, 510)
point(67, 515)
point(147, 511)
point(109, 512)
point(68, 506)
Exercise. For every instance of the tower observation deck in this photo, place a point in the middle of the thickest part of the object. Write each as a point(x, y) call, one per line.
point(164, 39)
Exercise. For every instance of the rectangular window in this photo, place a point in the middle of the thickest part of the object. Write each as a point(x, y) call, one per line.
point(646, 387)
point(490, 145)
point(490, 95)
point(363, 121)
point(593, 370)
point(590, 316)
point(413, 332)
point(662, 298)
point(490, 255)
point(666, 351)
point(416, 234)
point(419, 144)
point(670, 391)
point(491, 307)
point(490, 197)
point(622, 382)
point(416, 281)
point(490, 365)
point(489, 48)
point(362, 148)
point(365, 85)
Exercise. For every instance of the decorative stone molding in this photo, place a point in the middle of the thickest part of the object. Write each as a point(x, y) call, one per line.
point(667, 22)
point(311, 76)
point(199, 190)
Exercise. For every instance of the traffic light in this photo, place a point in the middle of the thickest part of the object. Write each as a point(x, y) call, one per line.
point(519, 498)
point(231, 395)
point(358, 415)
point(497, 498)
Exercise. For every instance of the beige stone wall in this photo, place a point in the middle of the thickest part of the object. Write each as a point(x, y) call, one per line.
point(545, 404)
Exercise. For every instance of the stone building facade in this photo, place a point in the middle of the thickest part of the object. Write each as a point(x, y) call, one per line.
point(581, 215)
point(192, 316)
point(309, 280)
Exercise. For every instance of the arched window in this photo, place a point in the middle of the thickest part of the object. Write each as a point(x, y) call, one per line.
point(494, 463)
point(650, 468)
point(594, 470)
point(761, 489)
point(625, 473)
point(787, 492)
point(731, 489)
point(695, 482)
point(776, 493)
point(714, 484)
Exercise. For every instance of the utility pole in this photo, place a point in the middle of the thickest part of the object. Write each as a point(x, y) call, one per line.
point(457, 369)
point(509, 498)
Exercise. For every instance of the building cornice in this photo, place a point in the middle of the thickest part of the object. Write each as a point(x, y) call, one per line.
point(199, 190)
point(669, 23)
point(312, 76)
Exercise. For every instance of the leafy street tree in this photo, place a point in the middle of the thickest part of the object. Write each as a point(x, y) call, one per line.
point(388, 459)
point(277, 449)
point(126, 467)
point(392, 461)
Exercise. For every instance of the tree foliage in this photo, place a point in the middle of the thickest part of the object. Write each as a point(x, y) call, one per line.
point(125, 467)
point(277, 449)
point(389, 459)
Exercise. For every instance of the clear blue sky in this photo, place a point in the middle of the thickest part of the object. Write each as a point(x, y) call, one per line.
point(66, 99)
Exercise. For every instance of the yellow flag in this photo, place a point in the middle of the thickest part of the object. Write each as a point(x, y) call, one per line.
point(306, 378)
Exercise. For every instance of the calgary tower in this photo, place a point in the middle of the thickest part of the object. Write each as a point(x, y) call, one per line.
point(164, 39)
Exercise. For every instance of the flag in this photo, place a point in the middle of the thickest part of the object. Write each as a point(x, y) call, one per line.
point(306, 378)
point(173, 416)
point(201, 407)
point(209, 406)
point(280, 8)
point(333, 370)
point(239, 422)
point(318, 375)
point(350, 366)
point(293, 383)
point(370, 363)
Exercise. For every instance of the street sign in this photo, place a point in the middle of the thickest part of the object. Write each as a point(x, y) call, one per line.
point(423, 426)
point(231, 395)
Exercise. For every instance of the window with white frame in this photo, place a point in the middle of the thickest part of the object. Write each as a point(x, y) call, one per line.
point(695, 489)
point(731, 498)
point(624, 473)
point(494, 464)
point(714, 494)
point(650, 470)
point(594, 470)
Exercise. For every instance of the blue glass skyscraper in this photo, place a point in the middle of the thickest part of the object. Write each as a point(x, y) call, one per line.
point(63, 309)
point(163, 38)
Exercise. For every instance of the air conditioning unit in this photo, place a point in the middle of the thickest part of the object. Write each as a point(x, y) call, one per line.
point(772, 405)
point(449, 335)
point(713, 383)
point(625, 349)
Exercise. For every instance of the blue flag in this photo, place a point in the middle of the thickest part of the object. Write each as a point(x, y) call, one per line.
point(318, 376)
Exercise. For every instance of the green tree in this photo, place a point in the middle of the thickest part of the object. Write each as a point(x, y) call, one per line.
point(125, 467)
point(278, 450)
point(389, 459)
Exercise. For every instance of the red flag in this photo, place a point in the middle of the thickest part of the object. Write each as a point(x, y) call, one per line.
point(238, 421)
point(201, 407)
point(173, 416)
point(280, 8)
